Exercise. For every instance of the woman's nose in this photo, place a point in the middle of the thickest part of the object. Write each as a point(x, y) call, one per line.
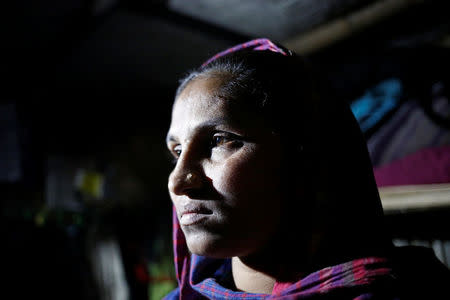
point(185, 178)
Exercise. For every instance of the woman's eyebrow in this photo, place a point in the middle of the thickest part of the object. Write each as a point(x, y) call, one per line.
point(212, 123)
point(201, 127)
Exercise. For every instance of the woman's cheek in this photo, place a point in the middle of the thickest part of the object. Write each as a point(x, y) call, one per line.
point(235, 175)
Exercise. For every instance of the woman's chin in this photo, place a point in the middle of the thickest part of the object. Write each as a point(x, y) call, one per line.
point(215, 246)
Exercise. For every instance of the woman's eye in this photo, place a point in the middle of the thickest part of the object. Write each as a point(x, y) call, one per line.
point(224, 141)
point(176, 151)
point(219, 140)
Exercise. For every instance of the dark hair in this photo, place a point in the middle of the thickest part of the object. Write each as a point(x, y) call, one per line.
point(272, 84)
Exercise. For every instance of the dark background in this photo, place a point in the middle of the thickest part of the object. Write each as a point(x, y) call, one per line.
point(93, 85)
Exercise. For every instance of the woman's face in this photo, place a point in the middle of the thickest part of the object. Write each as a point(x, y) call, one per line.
point(225, 185)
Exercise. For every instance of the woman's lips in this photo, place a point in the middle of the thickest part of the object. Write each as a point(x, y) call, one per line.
point(193, 213)
point(191, 218)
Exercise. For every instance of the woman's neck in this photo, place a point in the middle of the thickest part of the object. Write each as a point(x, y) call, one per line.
point(258, 273)
point(248, 279)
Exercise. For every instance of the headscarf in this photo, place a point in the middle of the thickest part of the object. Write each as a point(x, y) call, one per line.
point(342, 223)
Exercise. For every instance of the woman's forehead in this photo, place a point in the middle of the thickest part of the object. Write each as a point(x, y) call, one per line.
point(200, 96)
point(202, 85)
point(197, 105)
point(201, 103)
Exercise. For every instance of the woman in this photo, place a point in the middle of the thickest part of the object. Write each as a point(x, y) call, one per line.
point(273, 190)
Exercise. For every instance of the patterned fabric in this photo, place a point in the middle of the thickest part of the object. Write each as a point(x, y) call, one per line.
point(257, 45)
point(199, 277)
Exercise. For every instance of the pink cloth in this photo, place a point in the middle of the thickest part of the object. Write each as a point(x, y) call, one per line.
point(430, 165)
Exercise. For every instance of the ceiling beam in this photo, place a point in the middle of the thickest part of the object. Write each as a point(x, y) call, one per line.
point(341, 28)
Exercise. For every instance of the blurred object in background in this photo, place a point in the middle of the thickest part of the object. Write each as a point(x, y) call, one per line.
point(10, 170)
point(162, 278)
point(90, 184)
point(277, 20)
point(376, 103)
point(393, 139)
point(405, 119)
point(107, 265)
point(60, 190)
